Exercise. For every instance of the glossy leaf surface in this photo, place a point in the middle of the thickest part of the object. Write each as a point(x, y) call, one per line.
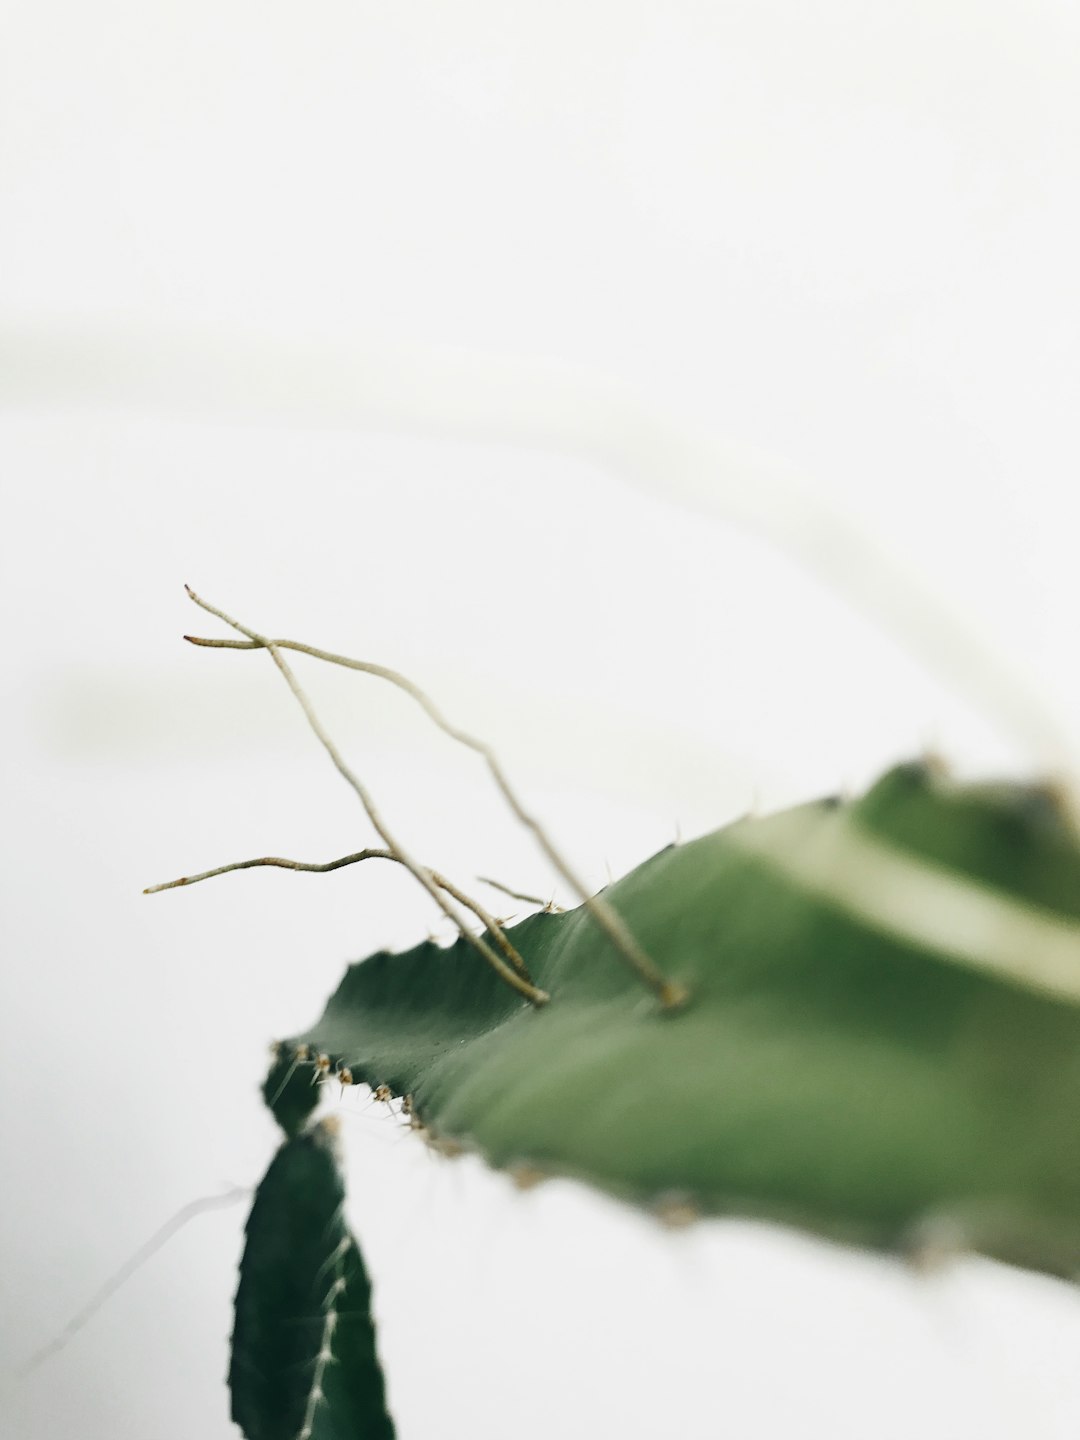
point(883, 1031)
point(304, 1365)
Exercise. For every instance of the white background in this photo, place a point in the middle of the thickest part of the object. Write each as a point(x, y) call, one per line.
point(841, 237)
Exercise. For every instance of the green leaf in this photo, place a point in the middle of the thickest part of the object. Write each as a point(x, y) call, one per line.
point(303, 1352)
point(883, 1030)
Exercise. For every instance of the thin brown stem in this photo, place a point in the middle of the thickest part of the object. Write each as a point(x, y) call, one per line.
point(272, 860)
point(422, 875)
point(324, 868)
point(670, 992)
point(518, 894)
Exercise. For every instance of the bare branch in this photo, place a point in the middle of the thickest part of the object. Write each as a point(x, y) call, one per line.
point(272, 860)
point(277, 862)
point(423, 875)
point(670, 992)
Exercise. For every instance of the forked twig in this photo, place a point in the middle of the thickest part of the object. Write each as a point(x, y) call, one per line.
point(421, 873)
point(670, 992)
point(276, 861)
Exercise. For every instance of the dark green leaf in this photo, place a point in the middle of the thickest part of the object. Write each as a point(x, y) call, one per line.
point(289, 1092)
point(303, 1354)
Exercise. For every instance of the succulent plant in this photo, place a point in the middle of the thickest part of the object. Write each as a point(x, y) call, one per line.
point(858, 1017)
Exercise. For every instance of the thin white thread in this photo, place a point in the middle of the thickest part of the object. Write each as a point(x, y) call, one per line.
point(832, 856)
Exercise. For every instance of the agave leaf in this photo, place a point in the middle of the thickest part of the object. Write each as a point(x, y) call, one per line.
point(883, 1030)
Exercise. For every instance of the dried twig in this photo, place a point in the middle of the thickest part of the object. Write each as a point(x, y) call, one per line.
point(422, 874)
point(276, 861)
point(671, 993)
point(518, 894)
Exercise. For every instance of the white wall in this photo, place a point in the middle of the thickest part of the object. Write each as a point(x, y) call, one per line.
point(317, 310)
